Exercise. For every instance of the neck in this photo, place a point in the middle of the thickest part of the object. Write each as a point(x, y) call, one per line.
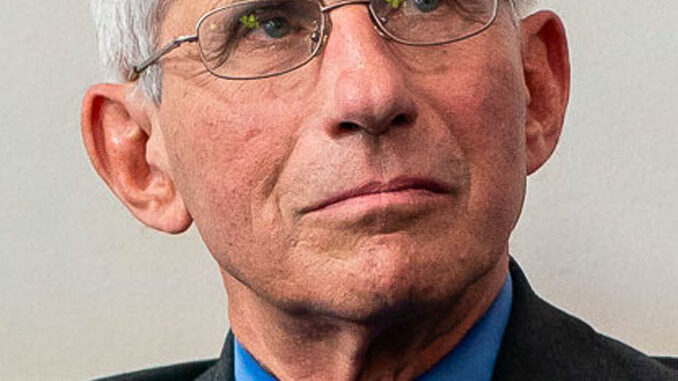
point(295, 346)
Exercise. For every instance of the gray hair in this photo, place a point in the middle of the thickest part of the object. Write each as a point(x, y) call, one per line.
point(127, 31)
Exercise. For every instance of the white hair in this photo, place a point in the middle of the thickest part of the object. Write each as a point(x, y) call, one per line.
point(522, 7)
point(127, 31)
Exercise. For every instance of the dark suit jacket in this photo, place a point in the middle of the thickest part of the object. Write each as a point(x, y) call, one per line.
point(541, 342)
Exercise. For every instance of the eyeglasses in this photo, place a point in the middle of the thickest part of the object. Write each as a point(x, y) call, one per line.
point(264, 38)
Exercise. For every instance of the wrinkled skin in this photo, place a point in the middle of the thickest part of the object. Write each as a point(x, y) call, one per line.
point(247, 156)
point(243, 159)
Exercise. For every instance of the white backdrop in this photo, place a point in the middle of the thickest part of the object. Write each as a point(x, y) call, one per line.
point(85, 290)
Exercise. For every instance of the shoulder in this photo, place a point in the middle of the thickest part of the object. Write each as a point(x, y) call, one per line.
point(178, 372)
point(625, 362)
point(542, 342)
point(671, 362)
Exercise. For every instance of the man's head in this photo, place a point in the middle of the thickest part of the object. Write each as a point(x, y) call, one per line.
point(264, 167)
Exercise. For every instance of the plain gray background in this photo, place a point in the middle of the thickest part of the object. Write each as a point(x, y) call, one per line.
point(85, 290)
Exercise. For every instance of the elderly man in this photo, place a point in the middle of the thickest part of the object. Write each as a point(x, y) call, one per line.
point(355, 168)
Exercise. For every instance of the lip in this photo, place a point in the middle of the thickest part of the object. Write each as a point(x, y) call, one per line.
point(398, 184)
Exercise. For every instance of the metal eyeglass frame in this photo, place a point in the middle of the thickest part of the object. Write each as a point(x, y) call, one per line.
point(137, 70)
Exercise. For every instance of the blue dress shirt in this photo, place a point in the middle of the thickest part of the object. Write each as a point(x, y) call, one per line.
point(471, 360)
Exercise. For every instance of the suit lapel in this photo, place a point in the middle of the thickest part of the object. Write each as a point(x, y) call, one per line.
point(223, 369)
point(540, 341)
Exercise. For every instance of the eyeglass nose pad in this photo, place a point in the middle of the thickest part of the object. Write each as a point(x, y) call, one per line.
point(376, 27)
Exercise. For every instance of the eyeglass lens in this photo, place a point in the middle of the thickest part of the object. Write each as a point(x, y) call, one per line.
point(265, 37)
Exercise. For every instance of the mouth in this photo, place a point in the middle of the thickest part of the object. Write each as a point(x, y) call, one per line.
point(397, 186)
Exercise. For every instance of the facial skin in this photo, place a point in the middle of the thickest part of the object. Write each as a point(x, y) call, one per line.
point(246, 160)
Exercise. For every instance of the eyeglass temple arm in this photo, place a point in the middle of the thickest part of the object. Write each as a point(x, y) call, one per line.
point(136, 70)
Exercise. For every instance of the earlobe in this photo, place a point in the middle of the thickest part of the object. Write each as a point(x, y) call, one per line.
point(128, 153)
point(547, 78)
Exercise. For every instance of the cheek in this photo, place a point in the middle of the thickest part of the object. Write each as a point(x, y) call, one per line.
point(497, 152)
point(484, 105)
point(226, 162)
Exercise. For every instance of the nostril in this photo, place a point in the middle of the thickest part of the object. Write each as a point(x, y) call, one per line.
point(375, 127)
point(400, 120)
point(348, 126)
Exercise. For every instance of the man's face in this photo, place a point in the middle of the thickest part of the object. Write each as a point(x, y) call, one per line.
point(254, 161)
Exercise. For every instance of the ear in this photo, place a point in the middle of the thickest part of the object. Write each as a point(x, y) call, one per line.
point(547, 78)
point(128, 152)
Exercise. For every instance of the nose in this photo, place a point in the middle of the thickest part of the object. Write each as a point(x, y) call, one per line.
point(364, 87)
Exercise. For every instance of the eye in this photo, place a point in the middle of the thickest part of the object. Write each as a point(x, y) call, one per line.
point(426, 5)
point(276, 27)
point(261, 20)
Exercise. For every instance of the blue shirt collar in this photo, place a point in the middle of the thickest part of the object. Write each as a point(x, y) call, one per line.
point(474, 357)
point(245, 367)
point(471, 360)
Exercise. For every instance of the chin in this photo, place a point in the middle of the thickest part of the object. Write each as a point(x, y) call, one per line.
point(391, 279)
